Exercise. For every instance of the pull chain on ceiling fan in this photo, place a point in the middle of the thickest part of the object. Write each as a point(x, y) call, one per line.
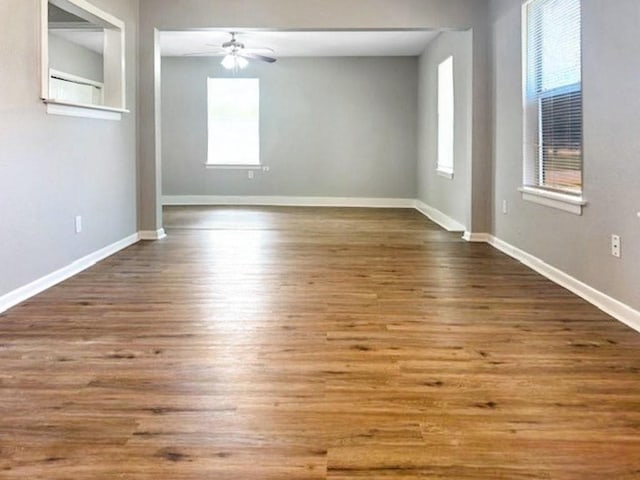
point(236, 55)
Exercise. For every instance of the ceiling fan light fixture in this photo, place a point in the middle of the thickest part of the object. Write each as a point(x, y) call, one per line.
point(229, 62)
point(242, 62)
point(234, 62)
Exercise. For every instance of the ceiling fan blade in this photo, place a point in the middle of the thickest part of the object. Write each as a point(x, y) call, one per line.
point(260, 50)
point(217, 47)
point(255, 56)
point(208, 53)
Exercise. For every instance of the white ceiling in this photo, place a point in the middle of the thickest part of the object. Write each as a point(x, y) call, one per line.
point(303, 43)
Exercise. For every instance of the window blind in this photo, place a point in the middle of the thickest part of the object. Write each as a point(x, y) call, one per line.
point(553, 97)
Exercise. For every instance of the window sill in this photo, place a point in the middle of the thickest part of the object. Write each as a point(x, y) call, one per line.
point(445, 174)
point(561, 201)
point(55, 107)
point(234, 167)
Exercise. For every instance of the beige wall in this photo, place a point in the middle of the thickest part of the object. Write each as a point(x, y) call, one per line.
point(578, 245)
point(330, 127)
point(450, 196)
point(75, 59)
point(53, 167)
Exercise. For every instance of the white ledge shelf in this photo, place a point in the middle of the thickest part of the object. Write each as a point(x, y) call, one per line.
point(56, 107)
point(445, 174)
point(561, 201)
point(222, 166)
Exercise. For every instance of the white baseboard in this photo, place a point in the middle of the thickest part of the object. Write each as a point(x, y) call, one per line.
point(152, 234)
point(620, 311)
point(476, 237)
point(438, 217)
point(286, 201)
point(21, 294)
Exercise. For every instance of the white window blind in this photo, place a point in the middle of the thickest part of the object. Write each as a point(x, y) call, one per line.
point(234, 121)
point(65, 87)
point(553, 95)
point(445, 116)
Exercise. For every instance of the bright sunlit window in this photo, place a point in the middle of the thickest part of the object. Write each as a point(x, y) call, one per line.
point(445, 117)
point(234, 121)
point(553, 96)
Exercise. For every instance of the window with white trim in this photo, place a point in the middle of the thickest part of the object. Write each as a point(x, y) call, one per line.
point(553, 96)
point(233, 121)
point(445, 117)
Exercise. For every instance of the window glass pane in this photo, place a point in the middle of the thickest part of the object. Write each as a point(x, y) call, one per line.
point(445, 116)
point(561, 136)
point(553, 106)
point(554, 26)
point(234, 121)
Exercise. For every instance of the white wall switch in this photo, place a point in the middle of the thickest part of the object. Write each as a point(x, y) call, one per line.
point(78, 224)
point(505, 208)
point(250, 174)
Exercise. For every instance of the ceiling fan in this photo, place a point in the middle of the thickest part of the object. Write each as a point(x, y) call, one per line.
point(236, 55)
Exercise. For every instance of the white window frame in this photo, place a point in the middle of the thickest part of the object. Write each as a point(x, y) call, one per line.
point(211, 162)
point(446, 119)
point(568, 202)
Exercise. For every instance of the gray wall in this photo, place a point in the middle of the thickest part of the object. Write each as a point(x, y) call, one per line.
point(72, 58)
point(283, 14)
point(343, 127)
point(54, 167)
point(578, 245)
point(450, 196)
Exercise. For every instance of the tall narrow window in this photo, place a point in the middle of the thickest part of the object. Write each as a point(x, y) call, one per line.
point(445, 118)
point(553, 96)
point(234, 121)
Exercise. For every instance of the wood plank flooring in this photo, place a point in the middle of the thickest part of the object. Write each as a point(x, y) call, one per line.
point(344, 344)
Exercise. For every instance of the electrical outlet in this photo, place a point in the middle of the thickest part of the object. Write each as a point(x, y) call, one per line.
point(266, 168)
point(505, 207)
point(616, 246)
point(78, 224)
point(250, 174)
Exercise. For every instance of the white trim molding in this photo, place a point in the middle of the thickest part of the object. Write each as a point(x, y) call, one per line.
point(286, 201)
point(476, 237)
point(152, 234)
point(620, 311)
point(87, 111)
point(445, 173)
point(21, 294)
point(438, 217)
point(568, 203)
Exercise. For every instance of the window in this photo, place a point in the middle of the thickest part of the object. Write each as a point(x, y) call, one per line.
point(234, 121)
point(553, 97)
point(445, 118)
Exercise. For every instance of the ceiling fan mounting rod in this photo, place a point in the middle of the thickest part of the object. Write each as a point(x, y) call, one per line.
point(233, 43)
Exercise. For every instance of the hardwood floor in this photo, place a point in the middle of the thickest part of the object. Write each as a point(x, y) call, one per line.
point(282, 343)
